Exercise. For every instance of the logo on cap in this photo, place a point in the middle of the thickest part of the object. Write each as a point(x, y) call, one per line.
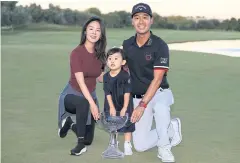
point(140, 7)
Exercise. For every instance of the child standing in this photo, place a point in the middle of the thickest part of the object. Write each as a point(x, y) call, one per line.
point(118, 93)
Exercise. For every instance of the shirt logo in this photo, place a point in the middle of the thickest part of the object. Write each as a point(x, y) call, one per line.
point(163, 60)
point(148, 56)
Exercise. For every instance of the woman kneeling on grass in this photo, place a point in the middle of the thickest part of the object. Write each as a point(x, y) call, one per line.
point(79, 96)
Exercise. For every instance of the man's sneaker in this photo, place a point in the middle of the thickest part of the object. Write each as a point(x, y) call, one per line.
point(165, 154)
point(66, 125)
point(128, 149)
point(79, 149)
point(177, 136)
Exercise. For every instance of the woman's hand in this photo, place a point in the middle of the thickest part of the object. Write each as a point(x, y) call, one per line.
point(95, 111)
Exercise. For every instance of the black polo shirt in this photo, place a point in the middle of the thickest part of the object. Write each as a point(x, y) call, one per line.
point(142, 60)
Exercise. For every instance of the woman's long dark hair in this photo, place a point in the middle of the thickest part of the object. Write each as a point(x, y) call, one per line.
point(100, 45)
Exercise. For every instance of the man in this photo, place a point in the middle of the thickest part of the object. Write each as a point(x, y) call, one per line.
point(148, 63)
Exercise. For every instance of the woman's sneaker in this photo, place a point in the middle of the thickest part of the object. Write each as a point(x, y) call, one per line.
point(66, 125)
point(79, 149)
point(128, 149)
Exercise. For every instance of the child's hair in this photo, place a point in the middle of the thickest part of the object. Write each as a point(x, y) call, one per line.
point(116, 50)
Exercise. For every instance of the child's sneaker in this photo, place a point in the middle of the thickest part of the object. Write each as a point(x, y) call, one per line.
point(127, 148)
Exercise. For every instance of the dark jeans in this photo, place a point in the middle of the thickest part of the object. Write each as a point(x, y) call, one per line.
point(80, 106)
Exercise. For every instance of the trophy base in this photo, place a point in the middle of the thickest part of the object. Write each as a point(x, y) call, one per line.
point(112, 152)
point(112, 124)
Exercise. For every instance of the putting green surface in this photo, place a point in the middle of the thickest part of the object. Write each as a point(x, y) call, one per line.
point(35, 68)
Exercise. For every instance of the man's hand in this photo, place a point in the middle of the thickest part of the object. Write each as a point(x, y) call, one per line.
point(112, 112)
point(123, 112)
point(137, 114)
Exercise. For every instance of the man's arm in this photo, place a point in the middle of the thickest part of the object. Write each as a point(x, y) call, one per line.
point(155, 84)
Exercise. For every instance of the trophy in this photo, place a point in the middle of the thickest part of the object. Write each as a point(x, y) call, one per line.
point(112, 124)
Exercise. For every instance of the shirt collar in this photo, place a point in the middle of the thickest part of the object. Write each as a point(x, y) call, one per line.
point(148, 43)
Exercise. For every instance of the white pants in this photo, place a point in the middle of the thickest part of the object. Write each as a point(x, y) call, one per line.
point(159, 107)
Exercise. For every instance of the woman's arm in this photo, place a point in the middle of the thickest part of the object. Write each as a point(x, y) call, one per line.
point(80, 79)
point(93, 106)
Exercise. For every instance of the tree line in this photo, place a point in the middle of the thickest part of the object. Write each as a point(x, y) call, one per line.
point(20, 16)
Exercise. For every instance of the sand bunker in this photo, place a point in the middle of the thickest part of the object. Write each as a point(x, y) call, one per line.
point(222, 47)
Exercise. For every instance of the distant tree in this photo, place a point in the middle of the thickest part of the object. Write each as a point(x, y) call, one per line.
point(233, 24)
point(188, 25)
point(225, 25)
point(205, 24)
point(36, 13)
point(94, 11)
point(9, 4)
point(16, 16)
point(69, 16)
point(181, 22)
point(54, 15)
point(7, 8)
point(112, 20)
point(81, 17)
point(238, 27)
point(171, 26)
point(19, 17)
point(215, 22)
point(6, 16)
point(156, 19)
point(125, 18)
point(162, 22)
point(159, 21)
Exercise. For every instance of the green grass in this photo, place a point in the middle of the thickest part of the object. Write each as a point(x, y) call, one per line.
point(72, 34)
point(35, 69)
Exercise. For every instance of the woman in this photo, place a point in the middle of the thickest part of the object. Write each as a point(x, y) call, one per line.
point(79, 96)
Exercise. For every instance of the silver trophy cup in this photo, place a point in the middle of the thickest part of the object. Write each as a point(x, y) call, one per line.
point(112, 124)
